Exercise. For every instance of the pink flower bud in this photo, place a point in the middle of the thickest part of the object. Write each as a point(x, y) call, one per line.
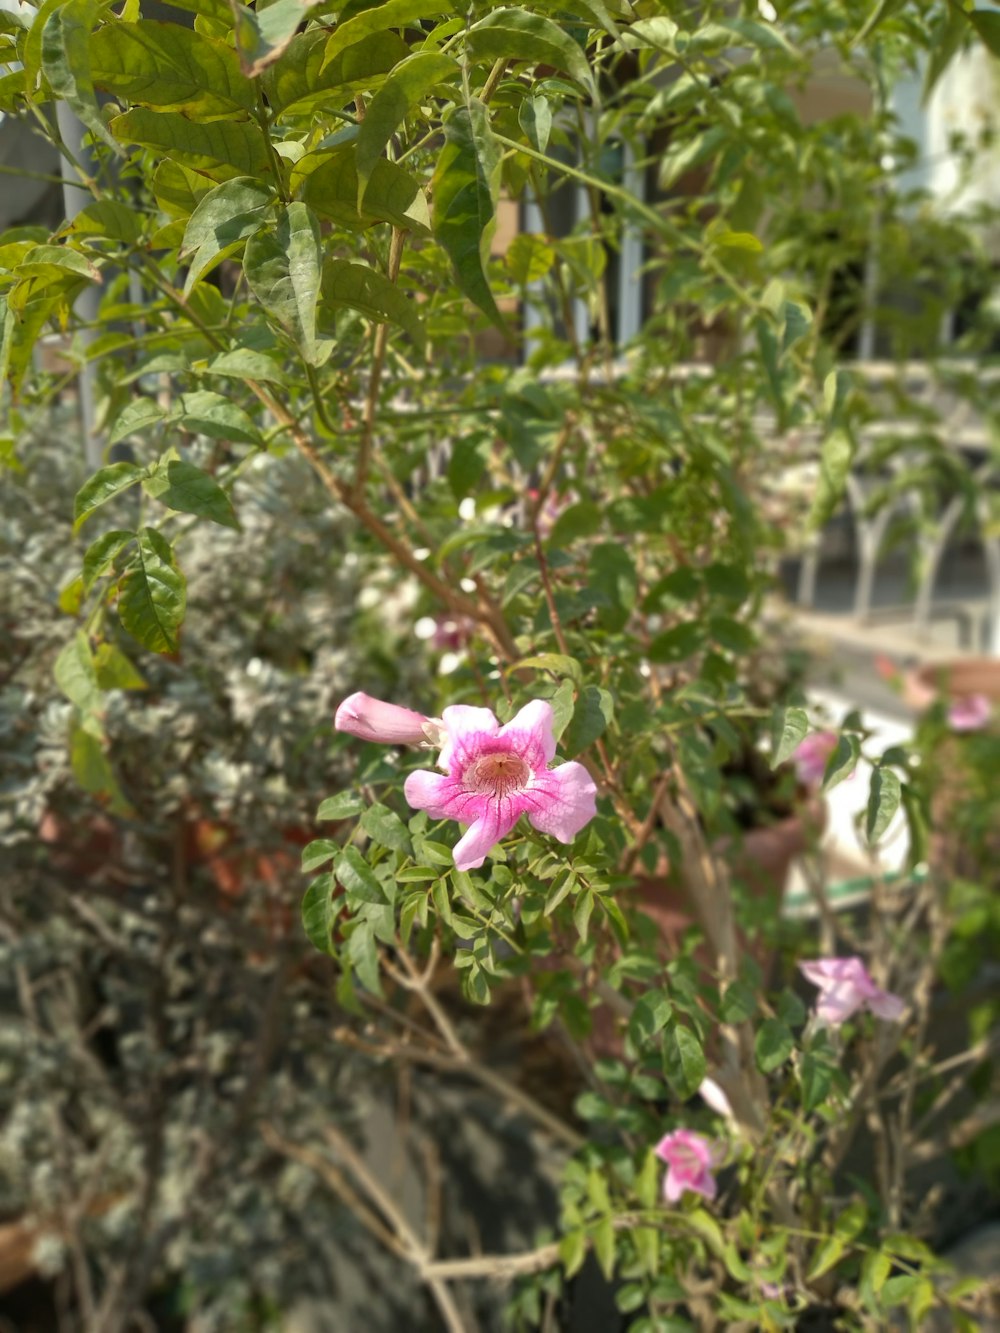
point(374, 720)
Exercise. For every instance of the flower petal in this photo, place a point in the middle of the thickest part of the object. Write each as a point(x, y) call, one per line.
point(887, 1006)
point(496, 821)
point(464, 725)
point(564, 800)
point(376, 720)
point(429, 791)
point(533, 729)
point(672, 1187)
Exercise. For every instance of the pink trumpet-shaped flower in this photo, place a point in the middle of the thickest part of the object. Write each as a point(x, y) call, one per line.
point(690, 1158)
point(496, 774)
point(970, 713)
point(811, 757)
point(374, 720)
point(845, 986)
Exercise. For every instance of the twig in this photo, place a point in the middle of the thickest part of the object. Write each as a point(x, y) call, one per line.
point(380, 338)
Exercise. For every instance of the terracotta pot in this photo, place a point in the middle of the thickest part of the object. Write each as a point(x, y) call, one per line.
point(958, 679)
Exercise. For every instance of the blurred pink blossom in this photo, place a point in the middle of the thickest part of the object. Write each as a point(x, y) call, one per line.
point(690, 1158)
point(970, 713)
point(811, 757)
point(845, 986)
point(374, 720)
point(712, 1095)
point(495, 774)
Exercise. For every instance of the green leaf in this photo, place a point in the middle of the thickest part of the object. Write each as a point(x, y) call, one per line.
point(816, 1078)
point(901, 1288)
point(318, 914)
point(222, 148)
point(342, 806)
point(528, 258)
point(101, 554)
point(516, 34)
point(612, 578)
point(359, 880)
point(603, 1236)
point(76, 674)
point(263, 35)
point(773, 1045)
point(48, 260)
point(92, 769)
point(851, 1221)
point(874, 1271)
point(843, 761)
point(362, 289)
point(178, 190)
point(884, 797)
point(674, 645)
point(115, 671)
point(362, 951)
point(241, 363)
point(295, 86)
point(573, 1251)
point(582, 909)
point(134, 418)
point(828, 1254)
point(101, 487)
point(184, 487)
point(318, 852)
point(328, 183)
point(67, 62)
point(392, 14)
point(282, 266)
point(582, 519)
point(535, 118)
point(562, 707)
point(987, 24)
point(222, 220)
point(834, 464)
point(171, 67)
point(152, 594)
point(592, 716)
point(464, 195)
point(203, 412)
point(404, 89)
point(683, 1059)
point(789, 727)
point(386, 828)
point(738, 1003)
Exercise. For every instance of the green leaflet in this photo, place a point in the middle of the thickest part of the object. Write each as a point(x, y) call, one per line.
point(223, 219)
point(109, 481)
point(222, 148)
point(464, 193)
point(295, 84)
point(393, 14)
point(403, 90)
point(516, 34)
point(362, 289)
point(282, 266)
point(152, 594)
point(66, 62)
point(170, 67)
point(263, 35)
point(182, 486)
point(328, 183)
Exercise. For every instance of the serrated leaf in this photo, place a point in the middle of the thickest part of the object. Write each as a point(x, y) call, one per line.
point(773, 1045)
point(185, 488)
point(318, 913)
point(386, 828)
point(317, 853)
point(592, 715)
point(342, 806)
point(283, 266)
point(683, 1059)
point(404, 89)
point(102, 486)
point(152, 594)
point(374, 296)
point(223, 219)
point(517, 34)
point(789, 727)
point(884, 797)
point(464, 196)
point(172, 67)
point(359, 880)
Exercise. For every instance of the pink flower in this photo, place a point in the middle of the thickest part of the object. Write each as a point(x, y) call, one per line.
point(970, 713)
point(846, 986)
point(811, 757)
point(690, 1158)
point(496, 774)
point(373, 720)
point(712, 1095)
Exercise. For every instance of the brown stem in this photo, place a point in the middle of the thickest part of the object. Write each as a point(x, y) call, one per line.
point(380, 339)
